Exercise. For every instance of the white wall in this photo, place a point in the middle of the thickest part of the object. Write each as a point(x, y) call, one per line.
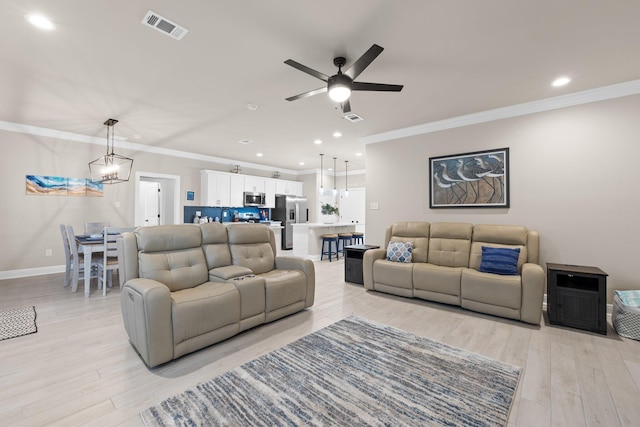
point(574, 178)
point(29, 225)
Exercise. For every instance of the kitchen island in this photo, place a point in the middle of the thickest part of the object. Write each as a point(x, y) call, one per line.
point(306, 237)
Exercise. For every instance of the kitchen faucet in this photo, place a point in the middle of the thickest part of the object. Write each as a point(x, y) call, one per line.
point(222, 213)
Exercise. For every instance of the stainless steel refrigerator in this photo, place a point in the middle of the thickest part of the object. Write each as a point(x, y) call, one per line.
point(290, 210)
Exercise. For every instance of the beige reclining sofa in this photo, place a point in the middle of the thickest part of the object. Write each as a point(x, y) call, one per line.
point(445, 263)
point(185, 287)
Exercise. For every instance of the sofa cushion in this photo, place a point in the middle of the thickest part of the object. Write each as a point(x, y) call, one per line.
point(415, 232)
point(164, 238)
point(394, 274)
point(450, 244)
point(228, 272)
point(437, 283)
point(252, 246)
point(284, 287)
point(176, 269)
point(492, 289)
point(257, 257)
point(214, 243)
point(498, 236)
point(204, 308)
point(399, 251)
point(499, 260)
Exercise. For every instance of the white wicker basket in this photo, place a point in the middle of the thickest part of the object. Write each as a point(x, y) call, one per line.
point(626, 317)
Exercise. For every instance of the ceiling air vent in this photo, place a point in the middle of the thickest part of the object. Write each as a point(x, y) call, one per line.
point(165, 26)
point(352, 117)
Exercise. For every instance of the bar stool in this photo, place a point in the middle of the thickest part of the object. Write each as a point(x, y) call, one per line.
point(344, 239)
point(358, 238)
point(329, 239)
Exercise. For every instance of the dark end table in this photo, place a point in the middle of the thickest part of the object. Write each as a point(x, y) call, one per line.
point(577, 297)
point(353, 255)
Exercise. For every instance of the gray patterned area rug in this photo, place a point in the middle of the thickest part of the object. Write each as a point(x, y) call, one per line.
point(17, 322)
point(352, 373)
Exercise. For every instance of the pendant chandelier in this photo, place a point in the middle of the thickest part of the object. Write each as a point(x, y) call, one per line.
point(335, 190)
point(346, 187)
point(321, 175)
point(111, 168)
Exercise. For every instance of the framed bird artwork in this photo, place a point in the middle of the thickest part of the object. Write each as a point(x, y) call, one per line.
point(470, 180)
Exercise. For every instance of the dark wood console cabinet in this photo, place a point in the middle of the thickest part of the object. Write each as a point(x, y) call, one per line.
point(353, 262)
point(577, 297)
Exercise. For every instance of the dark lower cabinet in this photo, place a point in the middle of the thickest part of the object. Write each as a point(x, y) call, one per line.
point(577, 297)
point(353, 262)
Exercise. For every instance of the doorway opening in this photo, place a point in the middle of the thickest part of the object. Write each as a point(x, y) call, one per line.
point(157, 199)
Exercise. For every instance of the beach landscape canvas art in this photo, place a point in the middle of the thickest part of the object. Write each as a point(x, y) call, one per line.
point(62, 186)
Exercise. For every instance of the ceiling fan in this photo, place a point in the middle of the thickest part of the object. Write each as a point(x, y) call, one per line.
point(341, 84)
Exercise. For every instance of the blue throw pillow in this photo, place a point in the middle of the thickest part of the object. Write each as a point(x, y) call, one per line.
point(399, 251)
point(499, 260)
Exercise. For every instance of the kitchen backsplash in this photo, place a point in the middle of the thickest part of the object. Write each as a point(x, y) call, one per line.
point(213, 213)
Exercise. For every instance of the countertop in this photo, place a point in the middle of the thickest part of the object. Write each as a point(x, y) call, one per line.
point(320, 224)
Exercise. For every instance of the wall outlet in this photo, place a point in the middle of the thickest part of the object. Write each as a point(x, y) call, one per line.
point(373, 205)
point(48, 252)
point(117, 204)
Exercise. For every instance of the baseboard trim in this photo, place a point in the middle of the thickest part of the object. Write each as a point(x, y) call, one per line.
point(39, 271)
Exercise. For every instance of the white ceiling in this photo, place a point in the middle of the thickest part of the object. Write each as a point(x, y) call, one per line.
point(454, 58)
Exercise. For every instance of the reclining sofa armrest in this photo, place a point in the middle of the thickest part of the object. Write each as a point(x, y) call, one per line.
point(369, 258)
point(146, 311)
point(304, 265)
point(533, 283)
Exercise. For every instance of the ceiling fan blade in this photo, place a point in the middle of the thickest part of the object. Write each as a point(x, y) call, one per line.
point(305, 69)
point(363, 62)
point(379, 87)
point(310, 93)
point(346, 107)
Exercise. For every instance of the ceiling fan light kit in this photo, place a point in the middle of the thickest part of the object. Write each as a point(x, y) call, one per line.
point(340, 85)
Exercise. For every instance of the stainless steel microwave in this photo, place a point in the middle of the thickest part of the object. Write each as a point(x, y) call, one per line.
point(254, 199)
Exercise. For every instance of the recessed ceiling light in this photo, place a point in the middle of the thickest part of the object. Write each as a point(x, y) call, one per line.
point(41, 22)
point(252, 107)
point(301, 163)
point(245, 141)
point(317, 141)
point(337, 134)
point(560, 81)
point(259, 154)
point(359, 154)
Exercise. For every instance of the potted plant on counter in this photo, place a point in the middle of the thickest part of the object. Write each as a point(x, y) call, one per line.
point(329, 213)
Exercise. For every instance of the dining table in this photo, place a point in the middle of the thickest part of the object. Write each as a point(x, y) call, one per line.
point(90, 244)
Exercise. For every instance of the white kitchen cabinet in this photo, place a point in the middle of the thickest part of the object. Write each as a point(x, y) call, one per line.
point(236, 190)
point(254, 184)
point(270, 192)
point(215, 188)
point(226, 189)
point(289, 187)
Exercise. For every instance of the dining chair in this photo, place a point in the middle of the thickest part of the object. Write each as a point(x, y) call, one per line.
point(67, 254)
point(77, 260)
point(95, 227)
point(109, 261)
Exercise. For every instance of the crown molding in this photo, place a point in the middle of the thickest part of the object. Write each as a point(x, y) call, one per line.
point(577, 98)
point(123, 143)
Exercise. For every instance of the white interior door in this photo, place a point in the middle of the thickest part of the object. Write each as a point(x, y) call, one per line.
point(150, 191)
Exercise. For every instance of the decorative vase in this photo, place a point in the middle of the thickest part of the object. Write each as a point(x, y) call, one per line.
point(328, 219)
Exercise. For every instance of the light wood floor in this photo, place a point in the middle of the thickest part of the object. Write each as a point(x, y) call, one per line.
point(79, 368)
